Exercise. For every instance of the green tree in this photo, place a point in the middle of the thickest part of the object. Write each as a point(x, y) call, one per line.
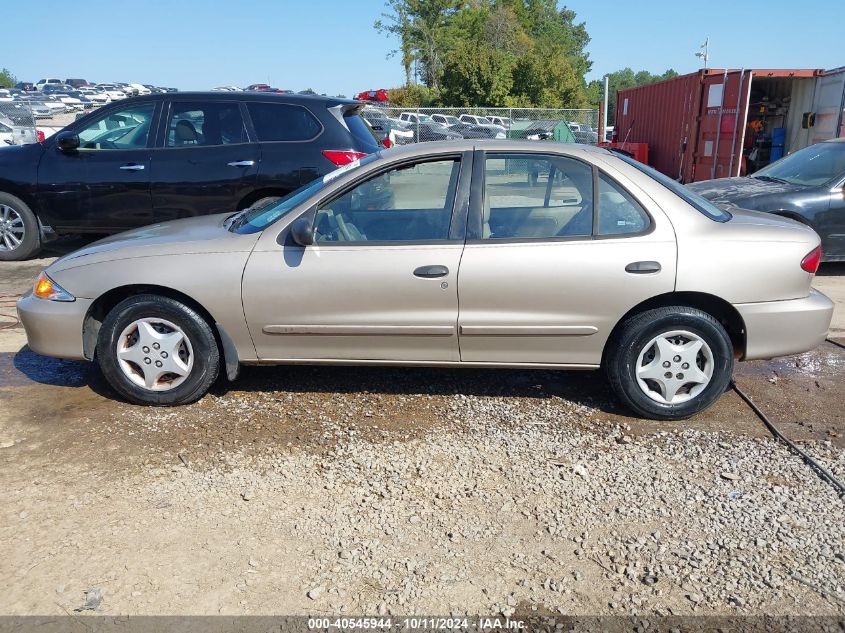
point(491, 52)
point(7, 79)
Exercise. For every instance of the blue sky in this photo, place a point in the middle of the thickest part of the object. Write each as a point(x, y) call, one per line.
point(331, 46)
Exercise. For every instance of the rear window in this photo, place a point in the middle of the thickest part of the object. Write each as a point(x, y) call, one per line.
point(699, 203)
point(362, 133)
point(283, 122)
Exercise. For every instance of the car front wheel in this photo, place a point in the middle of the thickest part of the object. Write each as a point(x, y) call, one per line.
point(670, 363)
point(154, 350)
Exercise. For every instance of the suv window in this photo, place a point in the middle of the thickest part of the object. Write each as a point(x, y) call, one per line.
point(214, 123)
point(536, 196)
point(619, 213)
point(410, 203)
point(283, 122)
point(128, 128)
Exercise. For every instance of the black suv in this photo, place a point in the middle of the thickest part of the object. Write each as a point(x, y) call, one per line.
point(166, 156)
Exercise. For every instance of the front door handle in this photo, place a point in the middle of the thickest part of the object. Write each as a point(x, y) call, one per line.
point(132, 167)
point(241, 163)
point(642, 268)
point(431, 272)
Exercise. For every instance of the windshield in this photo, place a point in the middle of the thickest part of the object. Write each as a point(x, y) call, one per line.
point(483, 120)
point(253, 220)
point(810, 167)
point(701, 204)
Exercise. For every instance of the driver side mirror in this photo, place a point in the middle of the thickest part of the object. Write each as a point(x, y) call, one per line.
point(67, 141)
point(302, 230)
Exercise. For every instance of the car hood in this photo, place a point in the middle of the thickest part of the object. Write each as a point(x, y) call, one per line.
point(206, 234)
point(738, 190)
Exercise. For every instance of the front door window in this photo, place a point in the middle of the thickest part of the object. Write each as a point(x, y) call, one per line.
point(408, 204)
point(128, 128)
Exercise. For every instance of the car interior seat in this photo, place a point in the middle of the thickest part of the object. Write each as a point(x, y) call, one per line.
point(185, 133)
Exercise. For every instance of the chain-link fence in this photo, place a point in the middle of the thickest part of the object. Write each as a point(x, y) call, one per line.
point(17, 123)
point(413, 125)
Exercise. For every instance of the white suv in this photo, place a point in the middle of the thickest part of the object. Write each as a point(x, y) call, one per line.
point(44, 82)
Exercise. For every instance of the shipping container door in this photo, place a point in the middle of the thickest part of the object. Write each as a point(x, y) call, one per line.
point(828, 105)
point(721, 128)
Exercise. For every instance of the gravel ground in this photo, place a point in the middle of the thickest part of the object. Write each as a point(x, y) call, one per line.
point(367, 490)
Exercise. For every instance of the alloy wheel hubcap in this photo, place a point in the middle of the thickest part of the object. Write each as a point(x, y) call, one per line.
point(155, 354)
point(12, 229)
point(674, 367)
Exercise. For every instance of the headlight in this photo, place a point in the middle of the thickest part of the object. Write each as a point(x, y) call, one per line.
point(500, 135)
point(46, 288)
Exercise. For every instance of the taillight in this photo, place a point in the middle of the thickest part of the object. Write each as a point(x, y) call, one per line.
point(811, 260)
point(342, 157)
point(386, 142)
point(39, 136)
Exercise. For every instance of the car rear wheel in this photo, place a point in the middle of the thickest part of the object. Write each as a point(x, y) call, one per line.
point(670, 363)
point(19, 234)
point(154, 350)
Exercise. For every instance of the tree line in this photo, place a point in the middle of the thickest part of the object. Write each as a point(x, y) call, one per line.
point(505, 53)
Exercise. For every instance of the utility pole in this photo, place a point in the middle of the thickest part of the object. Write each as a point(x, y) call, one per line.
point(704, 51)
point(604, 113)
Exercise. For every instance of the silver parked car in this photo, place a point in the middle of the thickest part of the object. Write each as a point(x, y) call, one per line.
point(563, 256)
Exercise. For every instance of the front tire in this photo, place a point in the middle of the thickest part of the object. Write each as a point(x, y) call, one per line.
point(20, 236)
point(154, 350)
point(670, 363)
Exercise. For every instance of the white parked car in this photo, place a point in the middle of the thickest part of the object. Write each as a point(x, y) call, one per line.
point(44, 82)
point(414, 117)
point(445, 119)
point(503, 121)
point(71, 103)
point(6, 96)
point(112, 91)
point(14, 134)
point(99, 97)
point(141, 89)
point(473, 119)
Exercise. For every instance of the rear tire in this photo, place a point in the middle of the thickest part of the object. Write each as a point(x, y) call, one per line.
point(154, 350)
point(20, 235)
point(669, 363)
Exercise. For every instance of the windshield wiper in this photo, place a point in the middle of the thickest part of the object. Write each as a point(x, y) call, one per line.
point(772, 179)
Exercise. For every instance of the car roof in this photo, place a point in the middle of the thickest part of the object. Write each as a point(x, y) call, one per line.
point(246, 95)
point(493, 145)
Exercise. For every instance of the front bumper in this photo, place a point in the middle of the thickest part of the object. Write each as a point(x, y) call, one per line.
point(54, 328)
point(781, 328)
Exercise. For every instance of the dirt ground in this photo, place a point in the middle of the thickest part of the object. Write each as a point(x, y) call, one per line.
point(248, 502)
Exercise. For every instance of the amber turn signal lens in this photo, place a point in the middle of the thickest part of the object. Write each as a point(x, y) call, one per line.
point(44, 288)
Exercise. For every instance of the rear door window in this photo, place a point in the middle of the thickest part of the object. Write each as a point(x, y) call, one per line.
point(283, 122)
point(214, 123)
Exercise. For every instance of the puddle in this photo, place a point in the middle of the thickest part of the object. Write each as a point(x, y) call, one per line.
point(25, 368)
point(827, 361)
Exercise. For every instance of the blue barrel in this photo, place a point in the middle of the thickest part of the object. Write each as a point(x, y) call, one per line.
point(778, 143)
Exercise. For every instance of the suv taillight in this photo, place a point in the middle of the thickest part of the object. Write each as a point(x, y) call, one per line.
point(342, 157)
point(39, 136)
point(811, 260)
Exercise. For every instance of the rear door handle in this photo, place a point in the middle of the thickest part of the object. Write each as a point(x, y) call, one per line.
point(642, 268)
point(241, 163)
point(132, 167)
point(431, 272)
